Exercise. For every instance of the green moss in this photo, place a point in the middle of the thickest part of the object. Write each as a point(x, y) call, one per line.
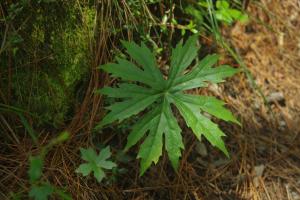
point(46, 85)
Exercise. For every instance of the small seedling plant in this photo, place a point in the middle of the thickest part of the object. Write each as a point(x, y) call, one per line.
point(144, 88)
point(227, 14)
point(223, 11)
point(39, 189)
point(95, 163)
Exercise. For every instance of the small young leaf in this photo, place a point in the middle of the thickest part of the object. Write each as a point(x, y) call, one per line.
point(228, 15)
point(88, 155)
point(238, 15)
point(95, 163)
point(98, 173)
point(222, 4)
point(85, 169)
point(41, 192)
point(35, 168)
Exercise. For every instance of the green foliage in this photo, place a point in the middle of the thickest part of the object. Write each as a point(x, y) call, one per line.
point(41, 192)
point(95, 163)
point(50, 58)
point(227, 14)
point(35, 168)
point(39, 189)
point(45, 190)
point(153, 89)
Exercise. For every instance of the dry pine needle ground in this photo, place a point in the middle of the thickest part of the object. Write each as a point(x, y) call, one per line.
point(265, 152)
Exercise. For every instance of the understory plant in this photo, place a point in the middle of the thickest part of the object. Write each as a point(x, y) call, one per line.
point(227, 14)
point(40, 189)
point(144, 88)
point(95, 163)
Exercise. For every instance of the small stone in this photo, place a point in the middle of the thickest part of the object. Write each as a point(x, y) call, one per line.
point(256, 182)
point(256, 105)
point(257, 173)
point(275, 97)
point(215, 89)
point(295, 196)
point(259, 170)
point(202, 162)
point(220, 162)
point(282, 125)
point(201, 149)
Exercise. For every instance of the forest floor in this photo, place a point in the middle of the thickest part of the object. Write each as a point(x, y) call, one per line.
point(265, 151)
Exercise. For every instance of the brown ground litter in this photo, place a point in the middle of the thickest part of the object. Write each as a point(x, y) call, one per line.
point(265, 152)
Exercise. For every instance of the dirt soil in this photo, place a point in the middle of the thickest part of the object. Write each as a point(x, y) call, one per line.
point(265, 151)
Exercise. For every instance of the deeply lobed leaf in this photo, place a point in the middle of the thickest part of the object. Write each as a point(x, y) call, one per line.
point(182, 57)
point(200, 124)
point(125, 109)
point(162, 123)
point(126, 90)
point(210, 105)
point(143, 56)
point(159, 124)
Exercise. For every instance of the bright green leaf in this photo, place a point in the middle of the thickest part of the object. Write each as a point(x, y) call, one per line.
point(224, 15)
point(182, 57)
point(35, 168)
point(88, 154)
point(140, 129)
point(126, 90)
point(151, 149)
point(173, 138)
point(95, 163)
point(125, 109)
point(200, 78)
point(210, 105)
point(200, 124)
point(129, 71)
point(238, 15)
point(222, 4)
point(98, 173)
point(41, 192)
point(143, 56)
point(158, 125)
point(85, 169)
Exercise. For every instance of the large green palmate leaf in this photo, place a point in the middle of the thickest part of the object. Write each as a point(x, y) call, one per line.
point(147, 91)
